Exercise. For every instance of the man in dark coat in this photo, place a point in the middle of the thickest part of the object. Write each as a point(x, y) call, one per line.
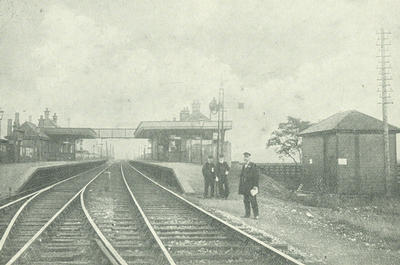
point(248, 186)
point(209, 176)
point(222, 175)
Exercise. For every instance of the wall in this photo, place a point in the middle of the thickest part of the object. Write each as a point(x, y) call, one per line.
point(330, 179)
point(312, 149)
point(161, 174)
point(362, 172)
point(348, 181)
point(47, 175)
point(372, 162)
point(393, 162)
point(4, 157)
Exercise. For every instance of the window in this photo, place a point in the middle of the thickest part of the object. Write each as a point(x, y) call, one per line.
point(29, 152)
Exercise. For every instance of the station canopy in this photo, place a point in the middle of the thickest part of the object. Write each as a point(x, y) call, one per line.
point(78, 133)
point(147, 129)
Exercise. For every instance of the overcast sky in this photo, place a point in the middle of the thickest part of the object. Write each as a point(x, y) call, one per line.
point(115, 63)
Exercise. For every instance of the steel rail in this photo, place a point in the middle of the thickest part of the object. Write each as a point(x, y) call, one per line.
point(13, 220)
point(44, 227)
point(43, 188)
point(32, 196)
point(149, 225)
point(18, 200)
point(100, 234)
point(246, 235)
point(38, 190)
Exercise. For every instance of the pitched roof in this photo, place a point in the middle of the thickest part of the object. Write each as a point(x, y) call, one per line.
point(197, 116)
point(32, 131)
point(351, 120)
point(47, 123)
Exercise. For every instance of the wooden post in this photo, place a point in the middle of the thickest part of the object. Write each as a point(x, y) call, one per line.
point(201, 149)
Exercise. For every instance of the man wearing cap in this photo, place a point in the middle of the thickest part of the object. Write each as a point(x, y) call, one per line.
point(248, 186)
point(222, 175)
point(209, 176)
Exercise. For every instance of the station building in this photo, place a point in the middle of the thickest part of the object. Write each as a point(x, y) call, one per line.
point(45, 141)
point(4, 151)
point(191, 139)
point(344, 154)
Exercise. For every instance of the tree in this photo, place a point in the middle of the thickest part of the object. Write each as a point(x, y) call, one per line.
point(286, 138)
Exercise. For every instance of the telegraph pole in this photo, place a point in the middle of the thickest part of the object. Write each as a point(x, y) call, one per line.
point(220, 120)
point(222, 117)
point(383, 79)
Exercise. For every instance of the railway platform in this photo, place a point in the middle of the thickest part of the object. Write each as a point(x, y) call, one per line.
point(13, 176)
point(187, 175)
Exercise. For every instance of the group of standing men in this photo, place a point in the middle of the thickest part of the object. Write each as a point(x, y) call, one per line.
point(248, 182)
point(216, 175)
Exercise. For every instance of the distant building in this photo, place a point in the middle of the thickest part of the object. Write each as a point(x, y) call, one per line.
point(191, 139)
point(4, 151)
point(344, 154)
point(196, 115)
point(45, 141)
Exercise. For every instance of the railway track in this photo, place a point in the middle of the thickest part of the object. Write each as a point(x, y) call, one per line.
point(50, 227)
point(117, 215)
point(119, 218)
point(192, 235)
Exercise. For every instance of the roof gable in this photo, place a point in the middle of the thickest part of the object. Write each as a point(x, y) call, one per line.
point(197, 116)
point(47, 123)
point(348, 121)
point(31, 130)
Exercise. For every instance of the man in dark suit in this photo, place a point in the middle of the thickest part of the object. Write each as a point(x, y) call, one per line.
point(209, 176)
point(248, 186)
point(222, 175)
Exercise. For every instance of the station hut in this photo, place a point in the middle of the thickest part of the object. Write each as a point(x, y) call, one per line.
point(191, 139)
point(345, 154)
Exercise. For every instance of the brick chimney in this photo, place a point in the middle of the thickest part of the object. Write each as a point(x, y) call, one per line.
point(196, 106)
point(184, 114)
point(41, 121)
point(16, 120)
point(9, 127)
point(55, 118)
point(47, 114)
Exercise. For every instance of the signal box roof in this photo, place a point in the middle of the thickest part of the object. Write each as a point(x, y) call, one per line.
point(146, 129)
point(348, 121)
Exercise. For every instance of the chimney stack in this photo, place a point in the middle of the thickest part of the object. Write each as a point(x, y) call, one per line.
point(184, 114)
point(196, 106)
point(55, 118)
point(47, 114)
point(9, 127)
point(16, 120)
point(41, 121)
